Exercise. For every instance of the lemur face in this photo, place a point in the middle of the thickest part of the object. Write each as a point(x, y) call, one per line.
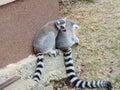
point(61, 24)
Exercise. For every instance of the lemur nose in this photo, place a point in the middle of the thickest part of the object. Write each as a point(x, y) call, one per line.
point(64, 30)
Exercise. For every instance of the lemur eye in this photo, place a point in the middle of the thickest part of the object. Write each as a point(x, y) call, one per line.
point(62, 27)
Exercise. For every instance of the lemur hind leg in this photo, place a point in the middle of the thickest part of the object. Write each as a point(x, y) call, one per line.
point(53, 52)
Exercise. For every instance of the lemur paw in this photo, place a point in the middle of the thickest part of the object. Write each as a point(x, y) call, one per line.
point(53, 53)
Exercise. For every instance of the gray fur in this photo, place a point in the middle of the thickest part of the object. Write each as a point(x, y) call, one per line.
point(67, 39)
point(44, 40)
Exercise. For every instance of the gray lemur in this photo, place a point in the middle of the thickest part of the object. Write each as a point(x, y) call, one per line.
point(64, 41)
point(44, 43)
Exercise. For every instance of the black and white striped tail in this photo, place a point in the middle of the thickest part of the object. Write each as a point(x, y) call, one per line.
point(39, 67)
point(70, 70)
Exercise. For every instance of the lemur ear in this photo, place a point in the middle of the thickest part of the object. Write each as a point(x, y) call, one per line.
point(75, 27)
point(58, 22)
point(63, 20)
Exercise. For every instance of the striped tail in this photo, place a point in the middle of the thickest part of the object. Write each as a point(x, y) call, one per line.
point(74, 80)
point(39, 67)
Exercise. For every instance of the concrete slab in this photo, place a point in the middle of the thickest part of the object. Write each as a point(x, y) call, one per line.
point(54, 69)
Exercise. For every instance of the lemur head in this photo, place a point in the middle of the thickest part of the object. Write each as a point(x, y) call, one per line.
point(71, 28)
point(61, 24)
point(71, 25)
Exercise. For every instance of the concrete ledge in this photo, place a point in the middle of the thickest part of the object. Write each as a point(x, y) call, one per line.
point(3, 2)
point(54, 69)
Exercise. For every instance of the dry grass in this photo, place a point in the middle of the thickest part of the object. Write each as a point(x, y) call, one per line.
point(98, 56)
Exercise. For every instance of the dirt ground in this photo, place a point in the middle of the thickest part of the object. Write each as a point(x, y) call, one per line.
point(98, 55)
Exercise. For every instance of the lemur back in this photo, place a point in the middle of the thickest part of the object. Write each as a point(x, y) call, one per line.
point(44, 43)
point(64, 41)
point(45, 38)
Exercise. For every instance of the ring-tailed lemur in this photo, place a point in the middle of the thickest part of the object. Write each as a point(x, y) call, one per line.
point(66, 38)
point(64, 41)
point(44, 43)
